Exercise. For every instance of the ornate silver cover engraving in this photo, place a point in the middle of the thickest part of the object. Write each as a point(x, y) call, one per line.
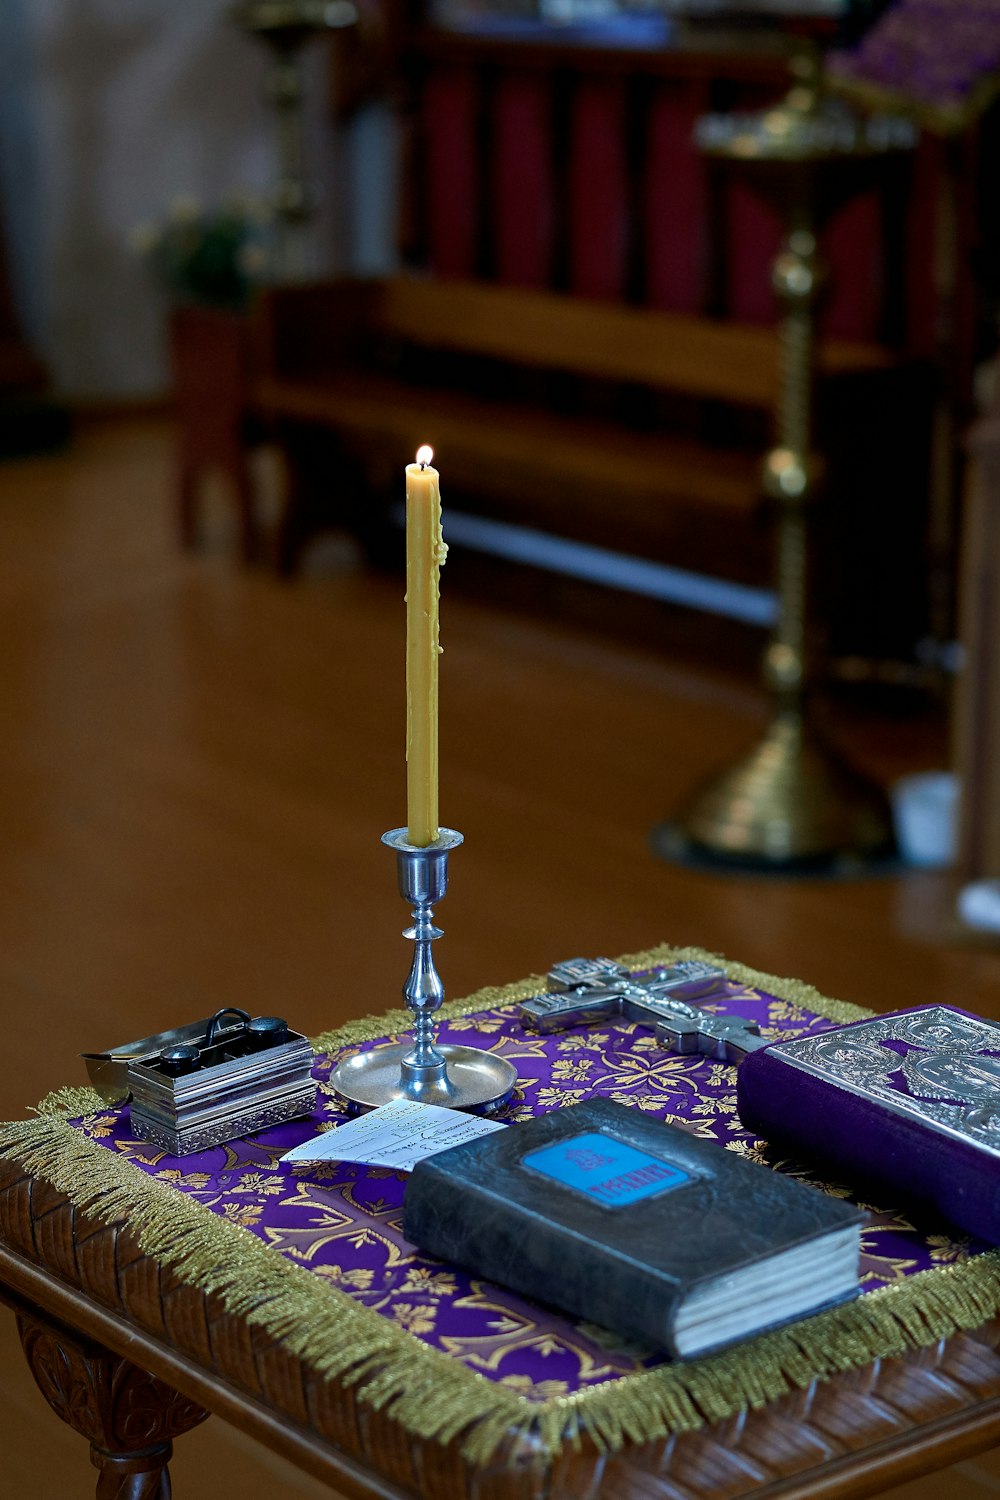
point(945, 1073)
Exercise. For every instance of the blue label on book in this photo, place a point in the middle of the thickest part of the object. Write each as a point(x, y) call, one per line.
point(605, 1169)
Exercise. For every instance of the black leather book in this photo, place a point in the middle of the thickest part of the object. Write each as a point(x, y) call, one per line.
point(637, 1226)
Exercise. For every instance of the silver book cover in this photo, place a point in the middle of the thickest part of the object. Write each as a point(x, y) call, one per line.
point(935, 1065)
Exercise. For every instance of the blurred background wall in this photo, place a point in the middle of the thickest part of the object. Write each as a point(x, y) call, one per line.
point(110, 110)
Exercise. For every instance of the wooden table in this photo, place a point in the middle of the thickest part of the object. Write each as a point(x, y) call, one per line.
point(131, 1357)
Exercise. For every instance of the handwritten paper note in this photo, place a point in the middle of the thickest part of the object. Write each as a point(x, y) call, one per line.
point(396, 1135)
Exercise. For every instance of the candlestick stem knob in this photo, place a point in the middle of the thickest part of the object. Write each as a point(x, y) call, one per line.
point(453, 1076)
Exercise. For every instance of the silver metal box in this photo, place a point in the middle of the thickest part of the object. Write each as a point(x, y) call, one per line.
point(230, 1091)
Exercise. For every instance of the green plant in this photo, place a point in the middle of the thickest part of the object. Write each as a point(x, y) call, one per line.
point(213, 257)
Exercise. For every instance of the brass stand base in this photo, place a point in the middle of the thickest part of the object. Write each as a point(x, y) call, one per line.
point(791, 802)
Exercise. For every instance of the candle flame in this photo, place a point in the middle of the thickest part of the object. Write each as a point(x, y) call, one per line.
point(424, 455)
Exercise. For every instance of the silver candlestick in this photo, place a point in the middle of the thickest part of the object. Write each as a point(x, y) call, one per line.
point(456, 1077)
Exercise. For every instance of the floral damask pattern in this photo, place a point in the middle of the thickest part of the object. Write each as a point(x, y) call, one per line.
point(343, 1222)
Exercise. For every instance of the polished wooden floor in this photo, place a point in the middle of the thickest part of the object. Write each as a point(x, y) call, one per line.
point(196, 763)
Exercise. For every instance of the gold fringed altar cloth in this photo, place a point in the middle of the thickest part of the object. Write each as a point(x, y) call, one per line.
point(315, 1255)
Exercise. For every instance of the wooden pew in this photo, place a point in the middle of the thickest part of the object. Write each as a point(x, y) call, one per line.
point(632, 429)
point(585, 332)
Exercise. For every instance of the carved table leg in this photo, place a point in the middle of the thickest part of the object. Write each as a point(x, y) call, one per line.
point(128, 1416)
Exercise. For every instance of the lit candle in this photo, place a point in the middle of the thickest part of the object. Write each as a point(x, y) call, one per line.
point(425, 552)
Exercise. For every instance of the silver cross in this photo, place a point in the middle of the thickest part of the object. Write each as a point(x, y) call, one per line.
point(594, 989)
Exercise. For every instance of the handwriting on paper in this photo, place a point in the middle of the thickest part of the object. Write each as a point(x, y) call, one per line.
point(396, 1135)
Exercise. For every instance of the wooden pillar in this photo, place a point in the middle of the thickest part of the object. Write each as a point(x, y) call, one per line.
point(977, 702)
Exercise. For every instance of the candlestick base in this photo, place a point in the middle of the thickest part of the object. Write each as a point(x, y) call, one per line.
point(466, 1078)
point(452, 1076)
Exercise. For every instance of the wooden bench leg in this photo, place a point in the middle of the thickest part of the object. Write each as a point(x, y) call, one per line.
point(327, 487)
point(236, 475)
point(127, 1415)
point(187, 506)
point(246, 511)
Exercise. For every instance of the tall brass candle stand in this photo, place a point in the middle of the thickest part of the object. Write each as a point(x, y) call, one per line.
point(285, 26)
point(792, 802)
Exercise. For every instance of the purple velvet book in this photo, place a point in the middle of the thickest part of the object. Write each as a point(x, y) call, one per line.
point(907, 1103)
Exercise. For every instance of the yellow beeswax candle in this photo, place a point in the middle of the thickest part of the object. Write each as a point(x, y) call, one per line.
point(425, 552)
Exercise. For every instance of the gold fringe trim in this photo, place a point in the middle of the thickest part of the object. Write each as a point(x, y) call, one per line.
point(71, 1103)
point(931, 1305)
point(392, 1022)
point(494, 997)
point(430, 1394)
point(795, 991)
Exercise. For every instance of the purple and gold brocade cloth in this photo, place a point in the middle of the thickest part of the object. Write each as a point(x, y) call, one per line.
point(342, 1222)
point(937, 58)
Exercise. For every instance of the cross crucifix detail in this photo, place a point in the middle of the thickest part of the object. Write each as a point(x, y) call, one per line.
point(583, 990)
